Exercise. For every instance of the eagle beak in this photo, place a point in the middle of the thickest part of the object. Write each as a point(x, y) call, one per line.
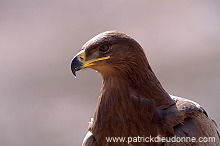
point(79, 62)
point(76, 65)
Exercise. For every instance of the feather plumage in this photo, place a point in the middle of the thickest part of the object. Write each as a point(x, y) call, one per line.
point(132, 101)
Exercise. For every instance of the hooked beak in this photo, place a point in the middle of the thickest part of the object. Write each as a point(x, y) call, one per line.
point(76, 65)
point(79, 62)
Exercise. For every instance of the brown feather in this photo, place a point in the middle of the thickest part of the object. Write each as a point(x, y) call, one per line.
point(132, 101)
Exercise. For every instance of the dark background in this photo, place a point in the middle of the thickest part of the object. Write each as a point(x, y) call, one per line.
point(42, 104)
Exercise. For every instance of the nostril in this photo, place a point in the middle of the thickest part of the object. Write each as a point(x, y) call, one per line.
point(81, 58)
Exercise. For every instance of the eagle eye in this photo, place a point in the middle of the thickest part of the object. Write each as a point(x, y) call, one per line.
point(104, 48)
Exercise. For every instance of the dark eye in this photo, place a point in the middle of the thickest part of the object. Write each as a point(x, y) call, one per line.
point(104, 48)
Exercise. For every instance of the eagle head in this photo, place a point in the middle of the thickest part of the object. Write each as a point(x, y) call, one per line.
point(110, 53)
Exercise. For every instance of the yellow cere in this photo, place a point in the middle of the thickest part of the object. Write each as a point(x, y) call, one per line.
point(90, 62)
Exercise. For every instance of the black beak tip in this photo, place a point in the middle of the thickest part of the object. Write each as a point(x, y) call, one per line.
point(74, 73)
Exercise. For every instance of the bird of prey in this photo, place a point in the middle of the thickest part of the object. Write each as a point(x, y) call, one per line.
point(132, 102)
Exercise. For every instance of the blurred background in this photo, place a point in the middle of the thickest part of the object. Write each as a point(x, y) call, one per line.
point(42, 104)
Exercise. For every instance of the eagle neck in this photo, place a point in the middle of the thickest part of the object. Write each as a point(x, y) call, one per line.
point(121, 112)
point(138, 78)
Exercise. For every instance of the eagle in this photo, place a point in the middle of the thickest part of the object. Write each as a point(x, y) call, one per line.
point(132, 104)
